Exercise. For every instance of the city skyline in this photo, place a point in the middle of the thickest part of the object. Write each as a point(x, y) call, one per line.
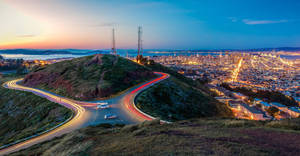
point(167, 25)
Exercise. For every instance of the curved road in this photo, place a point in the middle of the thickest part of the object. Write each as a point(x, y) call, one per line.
point(85, 113)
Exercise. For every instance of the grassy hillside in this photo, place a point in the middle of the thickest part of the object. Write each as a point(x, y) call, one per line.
point(88, 78)
point(23, 114)
point(179, 98)
point(160, 68)
point(174, 100)
point(193, 137)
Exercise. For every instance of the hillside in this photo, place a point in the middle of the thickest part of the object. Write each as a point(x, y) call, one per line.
point(194, 137)
point(49, 51)
point(179, 98)
point(90, 77)
point(173, 100)
point(23, 114)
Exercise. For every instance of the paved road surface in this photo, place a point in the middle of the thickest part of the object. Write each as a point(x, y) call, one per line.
point(85, 113)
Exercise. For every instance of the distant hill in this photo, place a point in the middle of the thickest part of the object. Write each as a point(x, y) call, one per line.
point(287, 49)
point(133, 52)
point(290, 49)
point(49, 52)
point(90, 77)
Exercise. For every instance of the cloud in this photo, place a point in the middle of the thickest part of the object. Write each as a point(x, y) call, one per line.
point(29, 35)
point(233, 19)
point(148, 4)
point(255, 22)
point(179, 11)
point(104, 25)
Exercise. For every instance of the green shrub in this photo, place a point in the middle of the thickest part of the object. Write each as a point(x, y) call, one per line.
point(293, 124)
point(241, 123)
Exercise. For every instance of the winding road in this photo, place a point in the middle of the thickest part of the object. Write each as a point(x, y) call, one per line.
point(85, 113)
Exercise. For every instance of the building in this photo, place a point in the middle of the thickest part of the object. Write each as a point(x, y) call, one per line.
point(234, 103)
point(241, 109)
point(256, 100)
point(252, 112)
point(264, 105)
point(279, 106)
point(239, 96)
point(224, 99)
point(298, 100)
point(293, 112)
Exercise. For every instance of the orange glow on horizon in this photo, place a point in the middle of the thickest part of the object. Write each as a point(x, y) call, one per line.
point(53, 45)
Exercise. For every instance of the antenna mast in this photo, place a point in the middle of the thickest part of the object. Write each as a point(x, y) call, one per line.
point(139, 56)
point(139, 40)
point(113, 42)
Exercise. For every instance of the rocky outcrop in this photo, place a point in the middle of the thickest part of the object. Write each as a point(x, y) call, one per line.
point(51, 80)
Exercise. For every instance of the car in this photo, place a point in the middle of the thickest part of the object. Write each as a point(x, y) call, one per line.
point(103, 106)
point(110, 116)
point(102, 103)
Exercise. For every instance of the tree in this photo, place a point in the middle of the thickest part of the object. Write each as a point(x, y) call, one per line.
point(268, 96)
point(21, 70)
point(226, 86)
point(259, 105)
point(151, 62)
point(204, 80)
point(273, 111)
point(19, 62)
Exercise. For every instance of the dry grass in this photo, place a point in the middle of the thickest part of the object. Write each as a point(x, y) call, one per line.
point(194, 137)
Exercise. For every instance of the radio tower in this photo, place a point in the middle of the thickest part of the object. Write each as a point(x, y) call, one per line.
point(139, 56)
point(113, 49)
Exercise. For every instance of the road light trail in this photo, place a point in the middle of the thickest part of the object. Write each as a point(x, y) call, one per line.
point(129, 99)
point(286, 62)
point(82, 117)
point(236, 71)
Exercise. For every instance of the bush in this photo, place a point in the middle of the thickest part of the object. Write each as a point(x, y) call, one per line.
point(241, 123)
point(129, 128)
point(291, 124)
point(273, 111)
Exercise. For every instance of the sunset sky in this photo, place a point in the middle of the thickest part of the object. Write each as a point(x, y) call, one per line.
point(176, 24)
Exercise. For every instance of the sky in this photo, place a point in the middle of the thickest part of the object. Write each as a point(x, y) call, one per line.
point(167, 24)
